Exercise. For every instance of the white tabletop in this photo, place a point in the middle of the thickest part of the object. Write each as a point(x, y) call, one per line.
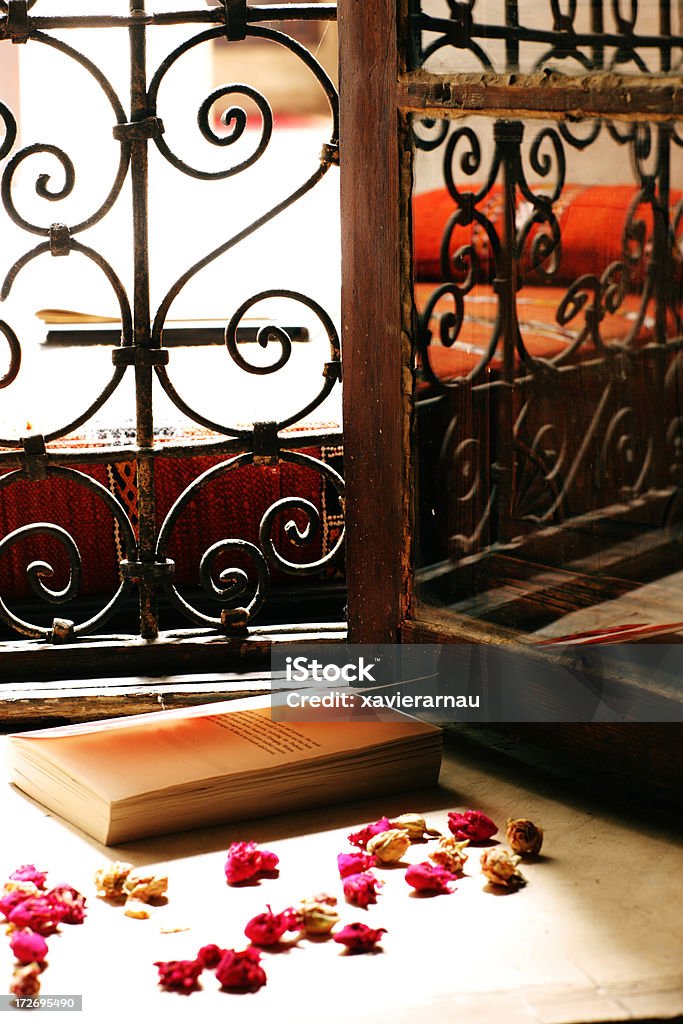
point(595, 935)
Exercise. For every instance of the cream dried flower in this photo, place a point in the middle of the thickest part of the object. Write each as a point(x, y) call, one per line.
point(450, 853)
point(523, 836)
point(110, 881)
point(415, 825)
point(500, 868)
point(388, 847)
point(145, 887)
point(25, 980)
point(318, 914)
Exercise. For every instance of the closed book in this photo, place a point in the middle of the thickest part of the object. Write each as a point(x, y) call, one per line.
point(168, 771)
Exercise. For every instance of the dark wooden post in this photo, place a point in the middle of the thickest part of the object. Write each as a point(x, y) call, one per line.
point(374, 412)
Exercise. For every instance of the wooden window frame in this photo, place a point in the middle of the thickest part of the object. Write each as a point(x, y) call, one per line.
point(377, 94)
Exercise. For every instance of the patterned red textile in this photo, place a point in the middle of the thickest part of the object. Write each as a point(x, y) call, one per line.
point(230, 507)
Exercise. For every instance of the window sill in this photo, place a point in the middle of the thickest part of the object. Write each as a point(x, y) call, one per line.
point(592, 937)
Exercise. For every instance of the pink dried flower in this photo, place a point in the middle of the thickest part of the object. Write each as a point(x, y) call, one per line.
point(241, 970)
point(179, 975)
point(245, 861)
point(210, 956)
point(358, 937)
point(354, 863)
point(360, 890)
point(428, 877)
point(26, 981)
point(268, 928)
point(269, 861)
point(473, 825)
point(70, 902)
point(361, 837)
point(28, 947)
point(13, 897)
point(29, 873)
point(37, 913)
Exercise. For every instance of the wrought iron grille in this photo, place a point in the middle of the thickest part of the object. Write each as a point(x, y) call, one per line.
point(233, 572)
point(549, 358)
point(599, 35)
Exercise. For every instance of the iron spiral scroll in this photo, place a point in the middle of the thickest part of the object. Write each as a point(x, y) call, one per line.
point(36, 461)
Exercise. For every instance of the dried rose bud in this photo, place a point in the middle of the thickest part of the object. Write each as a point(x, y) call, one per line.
point(388, 847)
point(354, 863)
point(358, 938)
point(268, 928)
point(136, 909)
point(29, 873)
point(245, 861)
point(241, 970)
point(38, 914)
point(500, 868)
point(361, 837)
point(415, 826)
point(210, 956)
point(15, 893)
point(179, 975)
point(145, 887)
point(428, 877)
point(523, 836)
point(110, 880)
point(473, 825)
point(450, 854)
point(70, 901)
point(26, 981)
point(360, 890)
point(318, 915)
point(28, 947)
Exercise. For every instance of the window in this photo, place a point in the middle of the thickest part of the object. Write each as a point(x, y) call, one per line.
point(131, 438)
point(528, 282)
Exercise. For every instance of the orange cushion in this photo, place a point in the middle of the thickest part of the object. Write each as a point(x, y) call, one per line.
point(592, 221)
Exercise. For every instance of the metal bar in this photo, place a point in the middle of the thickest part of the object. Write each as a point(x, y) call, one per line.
point(130, 453)
point(141, 320)
point(293, 12)
point(598, 26)
point(508, 135)
point(512, 42)
point(665, 30)
point(523, 34)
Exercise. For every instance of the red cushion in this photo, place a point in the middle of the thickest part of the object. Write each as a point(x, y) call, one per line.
point(592, 221)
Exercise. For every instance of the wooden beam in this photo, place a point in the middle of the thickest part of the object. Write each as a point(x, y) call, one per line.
point(628, 97)
point(374, 409)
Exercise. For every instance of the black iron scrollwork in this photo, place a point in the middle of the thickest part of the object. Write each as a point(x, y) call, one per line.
point(234, 582)
point(39, 571)
point(141, 352)
point(615, 36)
